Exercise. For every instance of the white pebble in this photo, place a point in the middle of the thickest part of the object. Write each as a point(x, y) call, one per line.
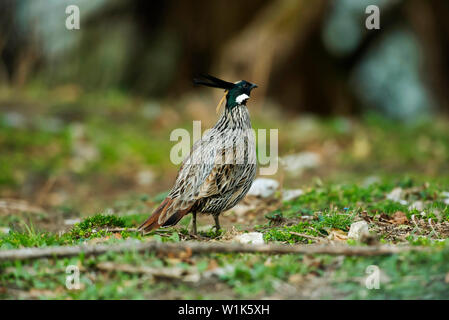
point(358, 229)
point(263, 187)
point(250, 238)
point(291, 194)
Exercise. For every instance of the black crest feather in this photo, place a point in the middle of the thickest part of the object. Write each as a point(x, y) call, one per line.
point(210, 81)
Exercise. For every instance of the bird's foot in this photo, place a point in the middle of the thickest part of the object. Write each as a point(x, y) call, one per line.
point(217, 225)
point(192, 231)
point(217, 230)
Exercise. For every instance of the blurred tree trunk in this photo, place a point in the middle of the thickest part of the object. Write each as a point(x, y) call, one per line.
point(18, 52)
point(274, 34)
point(154, 48)
point(430, 21)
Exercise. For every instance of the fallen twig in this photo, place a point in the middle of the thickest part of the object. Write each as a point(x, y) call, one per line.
point(42, 194)
point(416, 224)
point(199, 248)
point(120, 229)
point(309, 236)
point(433, 229)
point(170, 273)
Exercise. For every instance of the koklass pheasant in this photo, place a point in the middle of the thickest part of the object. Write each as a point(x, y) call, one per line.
point(220, 168)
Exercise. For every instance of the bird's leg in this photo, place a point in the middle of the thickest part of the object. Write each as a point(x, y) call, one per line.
point(217, 223)
point(193, 224)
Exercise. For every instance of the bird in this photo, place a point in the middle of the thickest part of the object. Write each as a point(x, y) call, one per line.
point(221, 165)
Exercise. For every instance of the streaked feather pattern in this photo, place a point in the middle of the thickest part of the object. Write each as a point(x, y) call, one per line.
point(216, 175)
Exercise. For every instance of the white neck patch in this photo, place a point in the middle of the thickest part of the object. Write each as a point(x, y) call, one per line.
point(241, 98)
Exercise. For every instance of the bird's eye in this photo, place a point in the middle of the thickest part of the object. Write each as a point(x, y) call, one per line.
point(245, 85)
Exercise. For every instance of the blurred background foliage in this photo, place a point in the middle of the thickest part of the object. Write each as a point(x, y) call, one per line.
point(314, 56)
point(85, 115)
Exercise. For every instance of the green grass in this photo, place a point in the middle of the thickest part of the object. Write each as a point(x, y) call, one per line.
point(414, 275)
point(91, 225)
point(243, 275)
point(357, 198)
point(95, 144)
point(31, 238)
point(251, 275)
point(335, 206)
point(409, 276)
point(95, 227)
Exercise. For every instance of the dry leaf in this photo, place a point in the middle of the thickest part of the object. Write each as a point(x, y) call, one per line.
point(178, 255)
point(337, 235)
point(296, 278)
point(311, 261)
point(399, 218)
point(396, 195)
point(213, 264)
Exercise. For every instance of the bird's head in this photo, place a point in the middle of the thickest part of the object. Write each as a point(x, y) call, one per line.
point(236, 93)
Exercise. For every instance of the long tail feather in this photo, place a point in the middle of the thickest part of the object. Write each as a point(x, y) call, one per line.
point(152, 223)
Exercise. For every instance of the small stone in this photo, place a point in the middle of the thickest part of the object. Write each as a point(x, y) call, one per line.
point(358, 230)
point(250, 238)
point(241, 209)
point(145, 177)
point(395, 195)
point(297, 163)
point(14, 120)
point(263, 187)
point(4, 230)
point(71, 222)
point(288, 195)
point(195, 277)
point(371, 180)
point(418, 205)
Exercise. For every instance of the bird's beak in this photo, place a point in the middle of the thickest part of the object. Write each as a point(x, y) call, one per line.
point(253, 86)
